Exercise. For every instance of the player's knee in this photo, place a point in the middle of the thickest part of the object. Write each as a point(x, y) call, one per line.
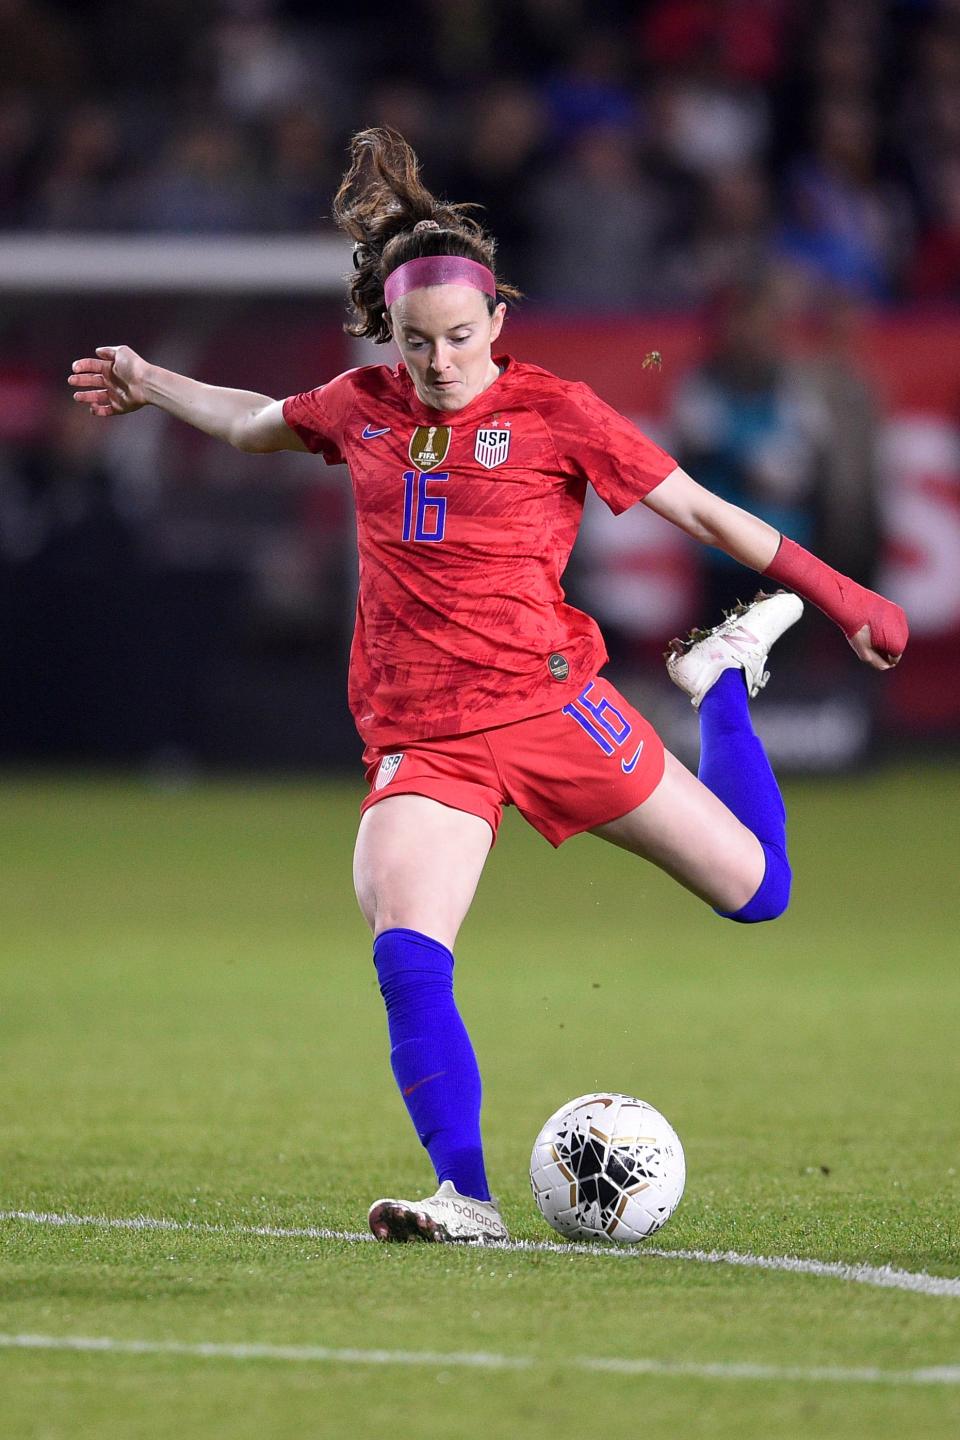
point(773, 894)
point(761, 908)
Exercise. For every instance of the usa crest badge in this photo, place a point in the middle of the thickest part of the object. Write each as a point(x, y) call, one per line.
point(389, 766)
point(492, 447)
point(429, 445)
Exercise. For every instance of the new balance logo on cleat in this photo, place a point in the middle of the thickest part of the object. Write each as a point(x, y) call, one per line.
point(444, 1218)
point(696, 663)
point(741, 639)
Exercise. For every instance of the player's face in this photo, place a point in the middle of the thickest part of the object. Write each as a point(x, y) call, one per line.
point(445, 334)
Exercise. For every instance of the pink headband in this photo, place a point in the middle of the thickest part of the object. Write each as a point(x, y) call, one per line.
point(438, 270)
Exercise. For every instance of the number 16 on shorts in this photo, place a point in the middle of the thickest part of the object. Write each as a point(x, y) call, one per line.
point(604, 723)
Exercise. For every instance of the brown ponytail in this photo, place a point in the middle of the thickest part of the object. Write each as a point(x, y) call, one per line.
point(383, 205)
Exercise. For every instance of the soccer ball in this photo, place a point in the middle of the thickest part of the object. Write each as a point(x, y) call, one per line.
point(607, 1167)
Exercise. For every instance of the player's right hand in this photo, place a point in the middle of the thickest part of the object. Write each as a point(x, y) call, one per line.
point(112, 383)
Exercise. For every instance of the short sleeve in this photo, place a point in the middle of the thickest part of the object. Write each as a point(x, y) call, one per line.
point(598, 444)
point(320, 416)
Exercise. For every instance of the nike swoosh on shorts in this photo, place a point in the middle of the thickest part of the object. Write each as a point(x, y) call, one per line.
point(628, 766)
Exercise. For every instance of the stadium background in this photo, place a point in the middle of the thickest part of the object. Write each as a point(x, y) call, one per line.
point(767, 194)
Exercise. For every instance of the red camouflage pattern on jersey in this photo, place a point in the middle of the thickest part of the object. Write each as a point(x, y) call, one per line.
point(456, 634)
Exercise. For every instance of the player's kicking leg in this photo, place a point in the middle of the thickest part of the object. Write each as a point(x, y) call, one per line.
point(742, 641)
point(722, 834)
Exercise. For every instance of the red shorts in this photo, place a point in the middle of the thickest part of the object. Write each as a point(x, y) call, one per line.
point(567, 771)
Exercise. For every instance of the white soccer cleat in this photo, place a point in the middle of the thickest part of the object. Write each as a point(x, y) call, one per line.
point(742, 641)
point(443, 1218)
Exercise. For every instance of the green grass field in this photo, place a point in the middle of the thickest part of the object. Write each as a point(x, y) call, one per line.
point(191, 1030)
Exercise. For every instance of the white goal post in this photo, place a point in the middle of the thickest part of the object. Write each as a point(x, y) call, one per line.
point(268, 264)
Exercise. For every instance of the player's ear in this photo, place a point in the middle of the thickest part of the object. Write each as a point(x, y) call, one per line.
point(496, 320)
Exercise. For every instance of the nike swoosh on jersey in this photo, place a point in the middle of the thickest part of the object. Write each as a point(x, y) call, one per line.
point(368, 434)
point(628, 766)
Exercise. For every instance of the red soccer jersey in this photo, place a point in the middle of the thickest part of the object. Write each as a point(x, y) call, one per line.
point(465, 523)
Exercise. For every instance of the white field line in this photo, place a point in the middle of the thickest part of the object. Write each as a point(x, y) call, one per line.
point(487, 1360)
point(885, 1277)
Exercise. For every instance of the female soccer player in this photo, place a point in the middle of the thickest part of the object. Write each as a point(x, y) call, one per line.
point(472, 683)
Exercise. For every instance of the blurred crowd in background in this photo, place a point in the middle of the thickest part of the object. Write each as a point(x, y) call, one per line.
point(630, 152)
point(768, 191)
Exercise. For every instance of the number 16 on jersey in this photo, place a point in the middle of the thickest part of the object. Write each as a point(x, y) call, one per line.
point(424, 512)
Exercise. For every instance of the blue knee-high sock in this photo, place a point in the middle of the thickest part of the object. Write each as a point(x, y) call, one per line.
point(734, 765)
point(432, 1058)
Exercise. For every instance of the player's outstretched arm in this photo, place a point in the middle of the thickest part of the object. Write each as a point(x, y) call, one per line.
point(875, 627)
point(117, 381)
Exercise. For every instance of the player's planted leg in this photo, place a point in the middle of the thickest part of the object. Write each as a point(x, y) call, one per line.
point(436, 1070)
point(719, 670)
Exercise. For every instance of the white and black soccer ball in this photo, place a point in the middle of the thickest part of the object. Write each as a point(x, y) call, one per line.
point(607, 1167)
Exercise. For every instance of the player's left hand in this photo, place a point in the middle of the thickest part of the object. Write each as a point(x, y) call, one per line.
point(882, 638)
point(863, 646)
